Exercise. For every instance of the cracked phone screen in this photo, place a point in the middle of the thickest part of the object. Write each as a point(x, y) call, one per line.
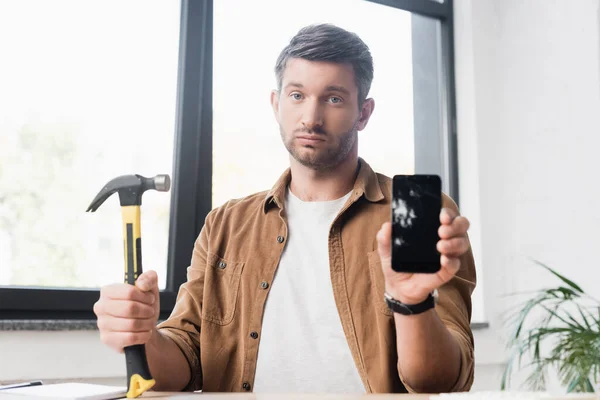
point(416, 206)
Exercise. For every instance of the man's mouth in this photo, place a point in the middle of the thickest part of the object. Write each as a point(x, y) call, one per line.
point(309, 139)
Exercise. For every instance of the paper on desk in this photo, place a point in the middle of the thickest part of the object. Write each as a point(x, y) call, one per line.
point(513, 395)
point(69, 391)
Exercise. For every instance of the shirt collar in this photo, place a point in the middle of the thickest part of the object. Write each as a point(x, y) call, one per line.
point(366, 183)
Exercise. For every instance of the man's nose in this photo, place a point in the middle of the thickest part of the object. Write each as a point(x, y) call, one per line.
point(312, 115)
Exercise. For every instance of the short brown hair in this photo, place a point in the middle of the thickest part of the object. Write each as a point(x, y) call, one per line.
point(327, 42)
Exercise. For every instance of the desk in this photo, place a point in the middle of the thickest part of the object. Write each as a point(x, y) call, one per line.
point(272, 396)
point(251, 396)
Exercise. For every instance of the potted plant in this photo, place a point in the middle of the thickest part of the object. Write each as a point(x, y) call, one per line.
point(556, 328)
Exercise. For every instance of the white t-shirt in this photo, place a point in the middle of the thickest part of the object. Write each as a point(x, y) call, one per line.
point(303, 347)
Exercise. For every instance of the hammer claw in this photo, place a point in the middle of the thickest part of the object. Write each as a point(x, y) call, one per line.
point(130, 189)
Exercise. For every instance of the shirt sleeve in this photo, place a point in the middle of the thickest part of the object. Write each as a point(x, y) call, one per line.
point(184, 324)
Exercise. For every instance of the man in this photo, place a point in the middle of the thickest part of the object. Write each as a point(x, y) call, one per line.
point(285, 291)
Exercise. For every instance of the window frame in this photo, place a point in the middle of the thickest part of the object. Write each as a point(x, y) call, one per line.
point(191, 193)
point(436, 150)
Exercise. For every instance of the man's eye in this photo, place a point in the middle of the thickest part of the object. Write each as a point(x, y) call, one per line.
point(335, 100)
point(296, 96)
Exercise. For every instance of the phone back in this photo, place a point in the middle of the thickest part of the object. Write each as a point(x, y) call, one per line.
point(416, 207)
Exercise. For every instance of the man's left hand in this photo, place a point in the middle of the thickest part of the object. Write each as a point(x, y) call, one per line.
point(412, 288)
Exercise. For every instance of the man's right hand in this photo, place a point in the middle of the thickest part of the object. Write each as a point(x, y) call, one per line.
point(128, 314)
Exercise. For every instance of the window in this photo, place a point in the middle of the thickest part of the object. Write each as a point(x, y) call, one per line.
point(94, 93)
point(82, 104)
point(88, 94)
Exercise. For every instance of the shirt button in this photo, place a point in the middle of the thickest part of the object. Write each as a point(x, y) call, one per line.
point(280, 239)
point(254, 335)
point(264, 284)
point(246, 386)
point(222, 264)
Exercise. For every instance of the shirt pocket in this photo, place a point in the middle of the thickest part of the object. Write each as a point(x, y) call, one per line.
point(377, 282)
point(221, 287)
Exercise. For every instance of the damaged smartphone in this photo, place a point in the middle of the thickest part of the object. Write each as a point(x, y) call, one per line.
point(416, 207)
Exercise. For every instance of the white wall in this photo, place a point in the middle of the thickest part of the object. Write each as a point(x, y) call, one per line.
point(528, 89)
point(29, 355)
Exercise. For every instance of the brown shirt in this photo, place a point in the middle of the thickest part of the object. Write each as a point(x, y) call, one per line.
point(218, 315)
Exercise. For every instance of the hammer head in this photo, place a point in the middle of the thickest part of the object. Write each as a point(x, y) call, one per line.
point(130, 189)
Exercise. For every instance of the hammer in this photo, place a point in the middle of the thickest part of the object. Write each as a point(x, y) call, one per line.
point(130, 189)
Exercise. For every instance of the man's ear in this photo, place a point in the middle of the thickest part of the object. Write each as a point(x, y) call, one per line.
point(365, 113)
point(275, 103)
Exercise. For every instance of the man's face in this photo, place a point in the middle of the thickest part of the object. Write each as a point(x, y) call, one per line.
point(318, 113)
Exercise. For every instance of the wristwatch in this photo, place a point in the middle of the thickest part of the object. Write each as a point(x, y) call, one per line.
point(411, 309)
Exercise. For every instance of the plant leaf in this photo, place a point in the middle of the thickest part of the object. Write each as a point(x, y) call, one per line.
point(585, 320)
point(553, 329)
point(505, 381)
point(559, 276)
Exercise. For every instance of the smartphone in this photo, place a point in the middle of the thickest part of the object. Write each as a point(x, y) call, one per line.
point(416, 207)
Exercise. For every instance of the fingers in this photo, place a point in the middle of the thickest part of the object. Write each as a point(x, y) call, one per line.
point(447, 215)
point(123, 291)
point(454, 247)
point(127, 314)
point(458, 227)
point(148, 282)
point(384, 244)
point(453, 240)
point(123, 309)
point(449, 267)
point(124, 323)
point(114, 324)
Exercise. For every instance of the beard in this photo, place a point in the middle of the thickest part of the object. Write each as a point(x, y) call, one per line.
point(320, 159)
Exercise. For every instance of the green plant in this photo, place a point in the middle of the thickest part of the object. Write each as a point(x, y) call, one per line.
point(559, 328)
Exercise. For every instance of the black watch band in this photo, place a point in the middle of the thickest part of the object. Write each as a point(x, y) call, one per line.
point(411, 309)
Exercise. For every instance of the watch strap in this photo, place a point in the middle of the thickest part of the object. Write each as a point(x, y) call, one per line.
point(411, 309)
